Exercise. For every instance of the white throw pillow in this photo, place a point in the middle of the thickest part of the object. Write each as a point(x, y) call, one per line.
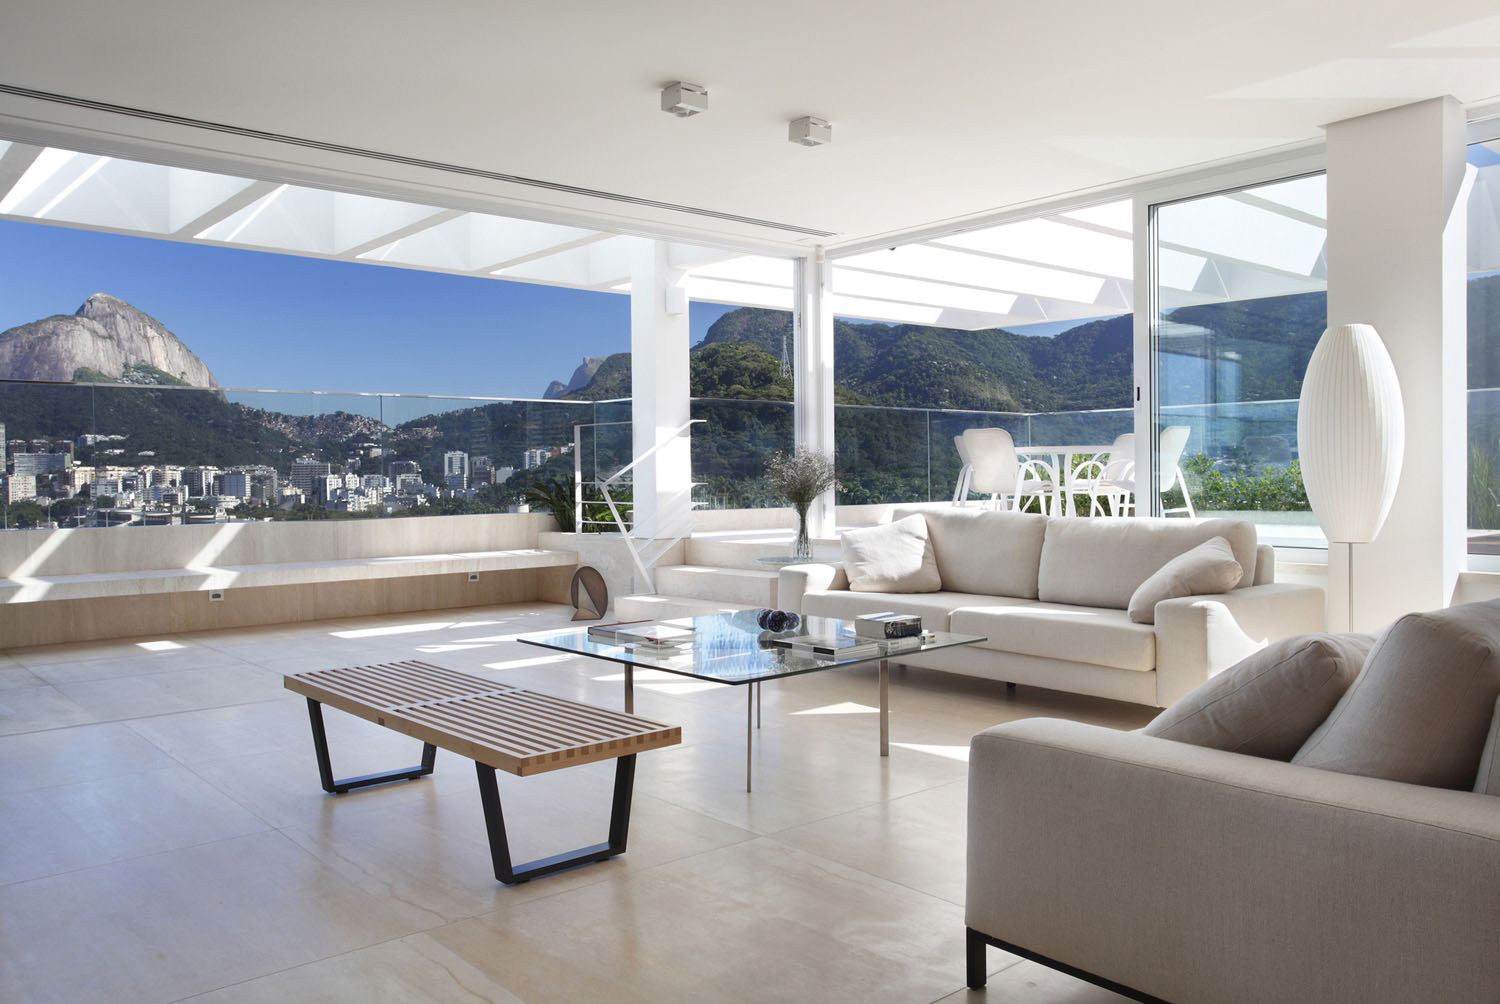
point(891, 558)
point(1210, 567)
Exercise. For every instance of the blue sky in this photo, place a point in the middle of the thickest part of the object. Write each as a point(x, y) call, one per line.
point(277, 321)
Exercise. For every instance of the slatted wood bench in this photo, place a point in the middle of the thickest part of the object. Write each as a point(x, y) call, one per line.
point(496, 726)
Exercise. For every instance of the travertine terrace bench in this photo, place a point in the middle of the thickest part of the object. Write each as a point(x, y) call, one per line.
point(496, 726)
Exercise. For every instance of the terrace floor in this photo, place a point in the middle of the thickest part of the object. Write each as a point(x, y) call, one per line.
point(163, 835)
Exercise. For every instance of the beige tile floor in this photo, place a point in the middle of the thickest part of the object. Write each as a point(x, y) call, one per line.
point(163, 836)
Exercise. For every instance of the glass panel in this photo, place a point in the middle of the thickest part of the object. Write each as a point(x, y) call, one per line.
point(1484, 350)
point(1233, 341)
point(51, 445)
point(731, 447)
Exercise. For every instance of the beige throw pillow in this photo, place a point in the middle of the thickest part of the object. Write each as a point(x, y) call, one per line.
point(1488, 781)
point(1210, 567)
point(1420, 710)
point(1268, 704)
point(891, 558)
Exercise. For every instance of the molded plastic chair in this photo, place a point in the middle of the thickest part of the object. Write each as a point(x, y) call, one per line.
point(997, 471)
point(1097, 476)
point(965, 471)
point(1173, 441)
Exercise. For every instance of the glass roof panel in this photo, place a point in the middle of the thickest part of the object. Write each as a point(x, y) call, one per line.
point(1112, 215)
point(919, 291)
point(927, 262)
point(1223, 227)
point(1308, 195)
point(1049, 242)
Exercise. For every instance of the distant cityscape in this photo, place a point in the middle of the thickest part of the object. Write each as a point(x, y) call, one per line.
point(43, 473)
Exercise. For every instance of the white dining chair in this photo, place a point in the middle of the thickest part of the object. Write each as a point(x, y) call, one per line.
point(1169, 456)
point(1098, 476)
point(965, 470)
point(997, 470)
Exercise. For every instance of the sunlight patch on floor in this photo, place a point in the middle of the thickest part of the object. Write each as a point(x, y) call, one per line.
point(959, 753)
point(540, 660)
point(842, 708)
point(159, 646)
point(376, 632)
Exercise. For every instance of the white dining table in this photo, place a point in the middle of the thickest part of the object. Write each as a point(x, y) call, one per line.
point(1063, 458)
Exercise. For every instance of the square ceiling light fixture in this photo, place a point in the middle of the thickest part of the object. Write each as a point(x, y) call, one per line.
point(810, 131)
point(683, 99)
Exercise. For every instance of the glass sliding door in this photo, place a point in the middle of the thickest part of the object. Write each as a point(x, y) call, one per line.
point(1241, 300)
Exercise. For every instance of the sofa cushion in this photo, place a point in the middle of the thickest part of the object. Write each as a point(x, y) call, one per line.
point(1093, 635)
point(1268, 704)
point(1487, 782)
point(1420, 710)
point(985, 550)
point(891, 558)
point(1206, 569)
point(933, 608)
point(1101, 561)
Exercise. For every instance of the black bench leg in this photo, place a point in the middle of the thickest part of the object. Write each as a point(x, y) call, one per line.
point(975, 952)
point(494, 821)
point(325, 766)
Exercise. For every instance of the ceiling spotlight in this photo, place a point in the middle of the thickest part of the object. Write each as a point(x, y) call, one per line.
point(683, 99)
point(810, 131)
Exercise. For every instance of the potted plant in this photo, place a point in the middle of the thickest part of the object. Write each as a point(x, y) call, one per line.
point(800, 478)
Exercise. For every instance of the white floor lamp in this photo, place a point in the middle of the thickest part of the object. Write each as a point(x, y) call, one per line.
point(1351, 433)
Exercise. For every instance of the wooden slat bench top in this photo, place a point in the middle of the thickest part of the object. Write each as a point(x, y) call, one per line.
point(509, 728)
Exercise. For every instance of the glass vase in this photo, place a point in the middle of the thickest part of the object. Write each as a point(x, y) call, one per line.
point(802, 546)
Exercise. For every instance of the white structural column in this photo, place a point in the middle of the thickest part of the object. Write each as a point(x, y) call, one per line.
point(660, 398)
point(813, 373)
point(1396, 259)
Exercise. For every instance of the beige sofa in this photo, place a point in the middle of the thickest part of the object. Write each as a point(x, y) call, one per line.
point(1050, 594)
point(1252, 845)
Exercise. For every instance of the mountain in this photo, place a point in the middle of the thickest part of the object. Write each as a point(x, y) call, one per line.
point(580, 379)
point(105, 338)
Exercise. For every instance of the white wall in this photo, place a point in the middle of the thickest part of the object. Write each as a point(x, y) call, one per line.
point(1397, 260)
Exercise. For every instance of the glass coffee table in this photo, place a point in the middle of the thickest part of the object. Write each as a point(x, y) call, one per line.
point(733, 649)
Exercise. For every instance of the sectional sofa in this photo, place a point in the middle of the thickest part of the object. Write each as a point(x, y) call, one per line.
point(1050, 595)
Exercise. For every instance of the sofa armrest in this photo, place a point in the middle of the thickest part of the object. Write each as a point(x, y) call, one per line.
point(1195, 874)
point(795, 581)
point(1198, 636)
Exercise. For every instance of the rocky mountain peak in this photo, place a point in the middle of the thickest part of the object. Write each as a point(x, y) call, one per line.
point(104, 338)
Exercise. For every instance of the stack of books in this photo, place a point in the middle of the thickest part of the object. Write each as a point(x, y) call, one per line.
point(822, 646)
point(887, 625)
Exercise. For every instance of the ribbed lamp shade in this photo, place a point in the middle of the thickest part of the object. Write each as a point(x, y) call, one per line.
point(1351, 432)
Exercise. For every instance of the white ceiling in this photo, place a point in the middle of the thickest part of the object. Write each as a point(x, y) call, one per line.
point(941, 112)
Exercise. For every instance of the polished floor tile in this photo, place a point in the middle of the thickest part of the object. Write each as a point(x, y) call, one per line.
point(70, 755)
point(163, 832)
point(30, 708)
point(70, 826)
point(409, 970)
point(756, 920)
point(165, 926)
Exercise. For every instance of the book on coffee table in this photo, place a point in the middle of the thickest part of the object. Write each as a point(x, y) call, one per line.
point(610, 633)
point(654, 635)
point(829, 646)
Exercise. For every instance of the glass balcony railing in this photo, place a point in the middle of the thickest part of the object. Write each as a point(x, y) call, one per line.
point(116, 454)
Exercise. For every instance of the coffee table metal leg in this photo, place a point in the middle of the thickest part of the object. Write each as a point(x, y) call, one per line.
point(757, 704)
point(749, 715)
point(885, 708)
point(629, 689)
